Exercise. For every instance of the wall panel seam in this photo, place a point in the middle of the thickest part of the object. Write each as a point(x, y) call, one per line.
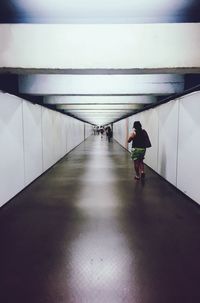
point(158, 138)
point(23, 138)
point(42, 134)
point(177, 145)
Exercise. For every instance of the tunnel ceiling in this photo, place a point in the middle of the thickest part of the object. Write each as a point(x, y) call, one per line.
point(98, 96)
point(104, 11)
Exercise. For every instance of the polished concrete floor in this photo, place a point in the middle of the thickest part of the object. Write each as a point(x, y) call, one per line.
point(87, 232)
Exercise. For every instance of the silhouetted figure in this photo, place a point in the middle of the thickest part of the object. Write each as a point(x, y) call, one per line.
point(140, 141)
point(109, 133)
point(101, 131)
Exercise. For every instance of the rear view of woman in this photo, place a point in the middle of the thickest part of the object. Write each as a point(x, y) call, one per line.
point(140, 141)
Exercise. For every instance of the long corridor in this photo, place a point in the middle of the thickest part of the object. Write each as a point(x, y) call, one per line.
point(87, 232)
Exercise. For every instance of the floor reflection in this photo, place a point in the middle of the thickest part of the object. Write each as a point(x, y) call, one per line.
point(87, 232)
point(101, 265)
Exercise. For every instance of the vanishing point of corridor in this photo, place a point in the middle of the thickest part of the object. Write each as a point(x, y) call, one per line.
point(87, 232)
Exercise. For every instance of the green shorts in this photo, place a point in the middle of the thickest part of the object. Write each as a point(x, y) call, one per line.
point(138, 153)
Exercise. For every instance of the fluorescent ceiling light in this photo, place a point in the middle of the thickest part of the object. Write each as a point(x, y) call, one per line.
point(98, 99)
point(102, 106)
point(100, 84)
point(117, 111)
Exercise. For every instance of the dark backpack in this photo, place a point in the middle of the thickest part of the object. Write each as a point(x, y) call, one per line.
point(146, 139)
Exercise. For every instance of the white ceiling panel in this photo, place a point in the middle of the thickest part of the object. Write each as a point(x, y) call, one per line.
point(100, 84)
point(144, 99)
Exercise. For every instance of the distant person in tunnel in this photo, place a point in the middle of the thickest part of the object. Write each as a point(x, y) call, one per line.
point(109, 133)
point(101, 131)
point(140, 141)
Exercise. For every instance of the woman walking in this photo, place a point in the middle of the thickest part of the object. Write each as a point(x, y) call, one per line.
point(140, 141)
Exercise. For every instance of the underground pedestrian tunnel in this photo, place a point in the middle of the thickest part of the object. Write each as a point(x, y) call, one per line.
point(74, 224)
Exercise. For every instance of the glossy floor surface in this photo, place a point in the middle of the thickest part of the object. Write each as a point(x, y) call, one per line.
point(87, 232)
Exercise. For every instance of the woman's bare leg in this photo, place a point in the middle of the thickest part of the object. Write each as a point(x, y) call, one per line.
point(141, 166)
point(142, 173)
point(137, 168)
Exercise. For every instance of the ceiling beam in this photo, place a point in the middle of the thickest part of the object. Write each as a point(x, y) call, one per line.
point(101, 84)
point(100, 107)
point(139, 47)
point(144, 99)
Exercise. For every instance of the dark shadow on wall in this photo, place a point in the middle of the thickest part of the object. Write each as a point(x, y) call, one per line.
point(9, 83)
point(191, 80)
point(8, 13)
point(193, 12)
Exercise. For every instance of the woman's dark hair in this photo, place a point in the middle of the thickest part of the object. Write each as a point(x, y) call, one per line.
point(137, 125)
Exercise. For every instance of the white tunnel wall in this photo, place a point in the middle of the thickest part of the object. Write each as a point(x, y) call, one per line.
point(188, 165)
point(88, 130)
point(32, 132)
point(149, 120)
point(168, 140)
point(174, 130)
point(120, 132)
point(33, 138)
point(11, 152)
